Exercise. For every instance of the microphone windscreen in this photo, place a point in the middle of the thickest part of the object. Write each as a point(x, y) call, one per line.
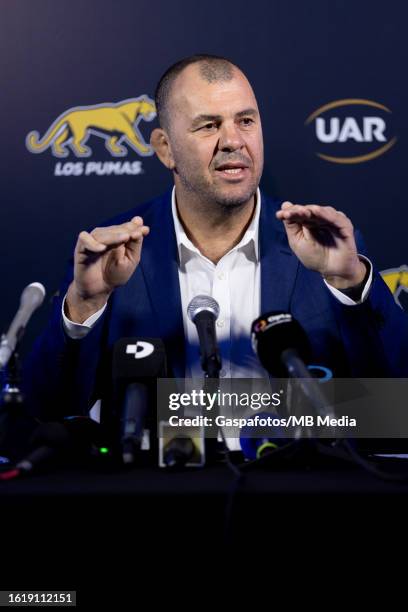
point(257, 440)
point(272, 334)
point(78, 432)
point(202, 303)
point(136, 358)
point(54, 435)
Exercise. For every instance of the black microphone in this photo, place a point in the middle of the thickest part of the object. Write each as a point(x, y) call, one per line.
point(181, 447)
point(178, 452)
point(283, 348)
point(203, 311)
point(264, 438)
point(137, 363)
point(281, 345)
point(31, 298)
point(133, 420)
point(51, 441)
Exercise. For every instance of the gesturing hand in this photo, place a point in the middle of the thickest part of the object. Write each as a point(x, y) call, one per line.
point(104, 259)
point(323, 239)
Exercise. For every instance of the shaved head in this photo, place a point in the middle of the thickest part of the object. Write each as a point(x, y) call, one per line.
point(212, 69)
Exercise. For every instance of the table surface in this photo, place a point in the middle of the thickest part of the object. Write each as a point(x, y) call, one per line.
point(159, 525)
point(320, 479)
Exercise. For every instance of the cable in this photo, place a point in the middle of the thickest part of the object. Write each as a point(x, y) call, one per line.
point(370, 467)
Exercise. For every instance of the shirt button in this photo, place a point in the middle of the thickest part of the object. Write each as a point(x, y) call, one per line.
point(220, 323)
point(221, 275)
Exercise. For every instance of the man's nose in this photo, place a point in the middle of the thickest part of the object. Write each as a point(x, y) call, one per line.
point(230, 137)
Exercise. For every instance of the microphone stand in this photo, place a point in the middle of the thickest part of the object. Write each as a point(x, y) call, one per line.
point(311, 449)
point(16, 426)
point(211, 384)
point(11, 394)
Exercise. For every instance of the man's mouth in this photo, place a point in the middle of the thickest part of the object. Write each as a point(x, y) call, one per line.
point(235, 170)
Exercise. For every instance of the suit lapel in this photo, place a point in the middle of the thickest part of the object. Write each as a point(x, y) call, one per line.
point(278, 263)
point(160, 271)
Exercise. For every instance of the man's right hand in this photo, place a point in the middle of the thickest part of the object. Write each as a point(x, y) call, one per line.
point(103, 260)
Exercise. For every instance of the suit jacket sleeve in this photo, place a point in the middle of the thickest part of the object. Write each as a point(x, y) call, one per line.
point(60, 376)
point(375, 332)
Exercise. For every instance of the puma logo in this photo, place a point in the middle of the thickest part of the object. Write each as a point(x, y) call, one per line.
point(116, 123)
point(397, 281)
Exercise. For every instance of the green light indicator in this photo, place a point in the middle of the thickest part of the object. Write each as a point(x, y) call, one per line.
point(103, 450)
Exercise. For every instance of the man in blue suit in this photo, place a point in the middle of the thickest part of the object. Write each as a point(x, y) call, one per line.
point(215, 233)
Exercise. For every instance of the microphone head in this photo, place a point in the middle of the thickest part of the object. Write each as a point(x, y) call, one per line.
point(272, 334)
point(139, 358)
point(33, 294)
point(201, 303)
point(178, 452)
point(257, 441)
point(51, 434)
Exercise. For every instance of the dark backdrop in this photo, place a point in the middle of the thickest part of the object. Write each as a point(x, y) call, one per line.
point(299, 56)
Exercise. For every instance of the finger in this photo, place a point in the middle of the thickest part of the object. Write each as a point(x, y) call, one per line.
point(128, 226)
point(140, 231)
point(313, 215)
point(332, 216)
point(131, 226)
point(295, 213)
point(86, 242)
point(138, 220)
point(111, 236)
point(286, 205)
point(136, 239)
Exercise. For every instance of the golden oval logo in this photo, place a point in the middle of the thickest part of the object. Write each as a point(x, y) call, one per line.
point(352, 131)
point(117, 123)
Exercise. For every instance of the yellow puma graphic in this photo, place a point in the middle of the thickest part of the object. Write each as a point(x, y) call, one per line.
point(397, 282)
point(116, 123)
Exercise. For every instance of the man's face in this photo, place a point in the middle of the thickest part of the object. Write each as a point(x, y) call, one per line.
point(215, 135)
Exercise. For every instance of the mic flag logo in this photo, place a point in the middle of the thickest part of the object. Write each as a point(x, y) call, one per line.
point(140, 350)
point(352, 130)
point(116, 123)
point(396, 280)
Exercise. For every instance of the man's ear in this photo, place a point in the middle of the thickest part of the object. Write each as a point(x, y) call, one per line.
point(161, 144)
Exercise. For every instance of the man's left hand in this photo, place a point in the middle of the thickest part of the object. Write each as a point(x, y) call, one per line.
point(323, 239)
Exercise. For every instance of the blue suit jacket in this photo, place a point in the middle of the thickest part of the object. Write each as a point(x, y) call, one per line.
point(66, 376)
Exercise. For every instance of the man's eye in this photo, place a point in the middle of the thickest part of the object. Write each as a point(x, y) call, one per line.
point(247, 121)
point(208, 126)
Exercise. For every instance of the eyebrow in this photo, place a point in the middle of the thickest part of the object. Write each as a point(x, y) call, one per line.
point(248, 111)
point(203, 118)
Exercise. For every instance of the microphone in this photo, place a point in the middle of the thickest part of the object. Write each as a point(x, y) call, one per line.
point(137, 363)
point(133, 420)
point(178, 452)
point(281, 345)
point(31, 298)
point(264, 438)
point(203, 311)
point(182, 448)
point(283, 348)
point(74, 437)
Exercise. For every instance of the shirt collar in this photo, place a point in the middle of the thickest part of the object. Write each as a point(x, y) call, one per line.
point(249, 241)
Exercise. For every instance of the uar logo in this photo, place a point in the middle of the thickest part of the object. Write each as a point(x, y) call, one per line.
point(356, 133)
